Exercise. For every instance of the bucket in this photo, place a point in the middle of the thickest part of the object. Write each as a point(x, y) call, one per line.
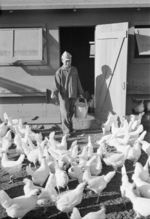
point(81, 108)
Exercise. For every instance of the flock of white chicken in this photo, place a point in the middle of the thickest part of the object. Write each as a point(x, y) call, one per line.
point(51, 165)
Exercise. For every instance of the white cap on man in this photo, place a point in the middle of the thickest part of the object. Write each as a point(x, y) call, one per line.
point(66, 56)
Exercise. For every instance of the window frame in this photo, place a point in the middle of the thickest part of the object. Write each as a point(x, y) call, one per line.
point(139, 59)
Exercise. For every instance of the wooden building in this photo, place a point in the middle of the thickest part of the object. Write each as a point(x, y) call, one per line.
point(108, 39)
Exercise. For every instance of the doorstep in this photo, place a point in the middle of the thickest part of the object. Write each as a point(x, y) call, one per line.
point(87, 123)
point(43, 123)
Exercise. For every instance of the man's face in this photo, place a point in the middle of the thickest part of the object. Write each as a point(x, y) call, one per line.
point(66, 63)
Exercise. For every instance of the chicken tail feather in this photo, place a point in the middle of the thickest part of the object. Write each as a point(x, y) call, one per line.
point(5, 200)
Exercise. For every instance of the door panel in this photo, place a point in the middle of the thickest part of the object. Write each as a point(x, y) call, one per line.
point(111, 43)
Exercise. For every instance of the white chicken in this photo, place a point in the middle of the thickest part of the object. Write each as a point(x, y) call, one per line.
point(115, 160)
point(7, 141)
point(106, 127)
point(29, 186)
point(142, 136)
point(143, 187)
point(140, 204)
point(31, 144)
point(90, 147)
point(52, 179)
point(10, 166)
point(47, 194)
point(49, 158)
point(54, 153)
point(21, 127)
point(18, 143)
point(104, 139)
point(134, 152)
point(142, 171)
point(29, 133)
point(99, 183)
point(9, 119)
point(33, 156)
point(52, 140)
point(75, 172)
point(126, 186)
point(19, 206)
point(130, 124)
point(63, 144)
point(100, 214)
point(87, 172)
point(146, 147)
point(61, 177)
point(139, 108)
point(3, 129)
point(115, 129)
point(74, 152)
point(134, 125)
point(137, 132)
point(81, 163)
point(124, 140)
point(84, 153)
point(66, 201)
point(74, 143)
point(8, 135)
point(139, 117)
point(137, 120)
point(40, 151)
point(39, 175)
point(96, 165)
point(123, 122)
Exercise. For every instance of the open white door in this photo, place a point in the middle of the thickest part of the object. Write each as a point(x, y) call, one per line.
point(111, 49)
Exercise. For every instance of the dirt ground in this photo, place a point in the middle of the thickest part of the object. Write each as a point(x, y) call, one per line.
point(116, 207)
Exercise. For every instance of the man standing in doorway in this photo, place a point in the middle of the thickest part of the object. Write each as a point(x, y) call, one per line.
point(68, 87)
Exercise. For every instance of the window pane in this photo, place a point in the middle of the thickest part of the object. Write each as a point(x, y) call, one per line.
point(28, 43)
point(143, 40)
point(6, 43)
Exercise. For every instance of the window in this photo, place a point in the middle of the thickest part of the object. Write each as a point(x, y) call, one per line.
point(22, 45)
point(141, 44)
point(92, 50)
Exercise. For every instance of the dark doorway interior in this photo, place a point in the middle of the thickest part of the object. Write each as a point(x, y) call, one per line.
point(76, 40)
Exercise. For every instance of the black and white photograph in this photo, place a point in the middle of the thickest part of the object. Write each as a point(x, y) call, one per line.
point(75, 109)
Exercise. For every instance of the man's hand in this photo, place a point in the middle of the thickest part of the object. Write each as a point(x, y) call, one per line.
point(81, 96)
point(53, 96)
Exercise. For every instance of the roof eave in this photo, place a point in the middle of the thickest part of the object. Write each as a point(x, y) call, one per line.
point(46, 5)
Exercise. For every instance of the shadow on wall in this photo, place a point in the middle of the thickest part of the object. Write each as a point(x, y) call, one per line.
point(103, 99)
point(13, 87)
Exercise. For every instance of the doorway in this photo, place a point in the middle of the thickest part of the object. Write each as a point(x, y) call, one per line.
point(75, 40)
